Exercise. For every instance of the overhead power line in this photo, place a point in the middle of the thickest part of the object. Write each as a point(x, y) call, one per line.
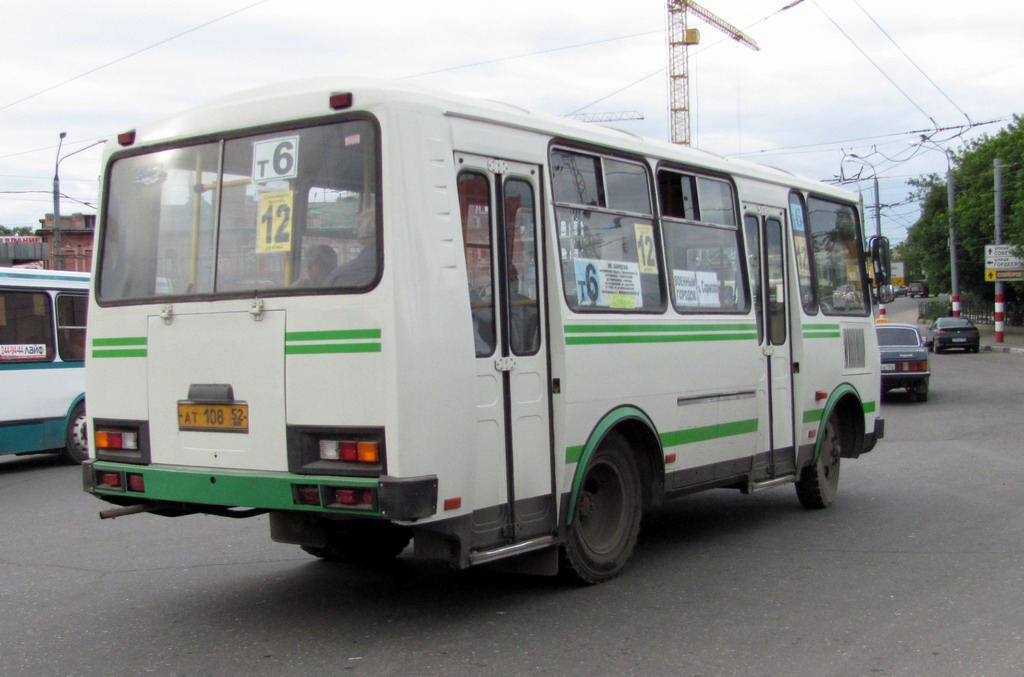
point(875, 64)
point(919, 69)
point(128, 56)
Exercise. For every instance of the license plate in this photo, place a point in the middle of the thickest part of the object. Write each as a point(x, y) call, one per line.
point(888, 367)
point(228, 418)
point(956, 340)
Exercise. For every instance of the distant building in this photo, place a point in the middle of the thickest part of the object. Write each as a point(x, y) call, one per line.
point(76, 236)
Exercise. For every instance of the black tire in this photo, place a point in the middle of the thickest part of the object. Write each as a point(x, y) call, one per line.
point(921, 391)
point(366, 542)
point(606, 521)
point(76, 437)
point(819, 482)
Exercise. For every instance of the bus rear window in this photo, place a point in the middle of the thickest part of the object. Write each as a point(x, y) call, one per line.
point(294, 209)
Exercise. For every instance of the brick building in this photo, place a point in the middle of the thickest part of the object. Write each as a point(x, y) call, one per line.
point(76, 236)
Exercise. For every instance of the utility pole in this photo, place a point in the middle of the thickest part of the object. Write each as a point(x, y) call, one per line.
point(1000, 316)
point(58, 259)
point(954, 268)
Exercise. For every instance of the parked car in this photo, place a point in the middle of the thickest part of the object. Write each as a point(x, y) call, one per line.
point(900, 290)
point(904, 359)
point(917, 289)
point(954, 332)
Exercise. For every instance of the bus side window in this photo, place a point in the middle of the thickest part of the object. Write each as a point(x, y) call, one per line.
point(26, 331)
point(475, 208)
point(71, 311)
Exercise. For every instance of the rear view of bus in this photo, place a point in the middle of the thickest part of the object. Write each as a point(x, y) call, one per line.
point(234, 356)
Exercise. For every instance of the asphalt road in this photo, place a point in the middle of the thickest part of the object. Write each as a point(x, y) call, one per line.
point(918, 569)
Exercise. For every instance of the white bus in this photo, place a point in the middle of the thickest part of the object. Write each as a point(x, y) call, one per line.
point(383, 315)
point(42, 369)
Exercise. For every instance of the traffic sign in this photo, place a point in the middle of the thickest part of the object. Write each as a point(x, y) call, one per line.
point(1004, 275)
point(1001, 257)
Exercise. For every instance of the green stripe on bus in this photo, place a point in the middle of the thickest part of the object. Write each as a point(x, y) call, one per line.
point(600, 334)
point(815, 330)
point(119, 341)
point(334, 335)
point(230, 487)
point(813, 415)
point(324, 348)
point(119, 353)
point(869, 407)
point(677, 338)
point(688, 436)
point(709, 432)
point(656, 328)
point(332, 341)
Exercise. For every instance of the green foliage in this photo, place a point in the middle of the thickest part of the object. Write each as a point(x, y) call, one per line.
point(927, 245)
point(20, 230)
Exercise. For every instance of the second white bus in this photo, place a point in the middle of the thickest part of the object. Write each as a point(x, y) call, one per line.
point(383, 315)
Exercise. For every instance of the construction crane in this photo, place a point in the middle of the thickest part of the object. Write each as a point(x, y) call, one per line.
point(679, 40)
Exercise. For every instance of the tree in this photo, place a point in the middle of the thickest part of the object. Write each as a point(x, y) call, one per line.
point(927, 246)
point(20, 230)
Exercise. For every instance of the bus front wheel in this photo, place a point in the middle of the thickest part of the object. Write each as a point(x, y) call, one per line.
point(76, 438)
point(819, 482)
point(606, 522)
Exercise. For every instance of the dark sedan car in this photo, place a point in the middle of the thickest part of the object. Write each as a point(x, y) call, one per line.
point(904, 359)
point(954, 332)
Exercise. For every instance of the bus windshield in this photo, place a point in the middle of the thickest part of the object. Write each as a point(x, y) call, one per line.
point(294, 209)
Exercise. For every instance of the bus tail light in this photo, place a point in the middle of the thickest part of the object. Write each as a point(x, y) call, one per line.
point(136, 483)
point(350, 451)
point(117, 440)
point(121, 440)
point(336, 498)
point(320, 450)
point(111, 480)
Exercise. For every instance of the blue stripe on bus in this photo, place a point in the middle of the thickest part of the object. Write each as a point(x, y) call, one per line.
point(83, 277)
point(21, 366)
point(33, 436)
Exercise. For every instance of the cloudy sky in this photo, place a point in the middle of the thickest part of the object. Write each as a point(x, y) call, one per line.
point(833, 78)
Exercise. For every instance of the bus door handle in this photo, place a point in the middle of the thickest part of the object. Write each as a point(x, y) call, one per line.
point(505, 364)
point(768, 350)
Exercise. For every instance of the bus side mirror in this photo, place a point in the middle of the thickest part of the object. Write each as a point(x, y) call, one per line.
point(881, 269)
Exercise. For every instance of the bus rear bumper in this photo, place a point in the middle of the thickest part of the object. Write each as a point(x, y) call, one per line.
point(176, 491)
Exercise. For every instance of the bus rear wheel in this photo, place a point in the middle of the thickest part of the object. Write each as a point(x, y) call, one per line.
point(819, 482)
point(76, 438)
point(606, 521)
point(368, 542)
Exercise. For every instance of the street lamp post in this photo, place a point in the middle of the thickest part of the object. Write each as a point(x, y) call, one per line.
point(58, 262)
point(58, 257)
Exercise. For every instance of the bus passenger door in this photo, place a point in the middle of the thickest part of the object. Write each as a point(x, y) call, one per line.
point(499, 203)
point(766, 244)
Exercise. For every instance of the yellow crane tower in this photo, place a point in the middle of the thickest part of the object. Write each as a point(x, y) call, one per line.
point(679, 39)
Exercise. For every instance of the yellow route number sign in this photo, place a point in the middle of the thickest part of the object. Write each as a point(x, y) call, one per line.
point(274, 230)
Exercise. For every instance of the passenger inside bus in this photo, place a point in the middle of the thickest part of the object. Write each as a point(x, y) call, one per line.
point(321, 260)
point(361, 270)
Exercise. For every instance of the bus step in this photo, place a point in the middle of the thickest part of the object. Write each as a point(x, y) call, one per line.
point(772, 483)
point(485, 556)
